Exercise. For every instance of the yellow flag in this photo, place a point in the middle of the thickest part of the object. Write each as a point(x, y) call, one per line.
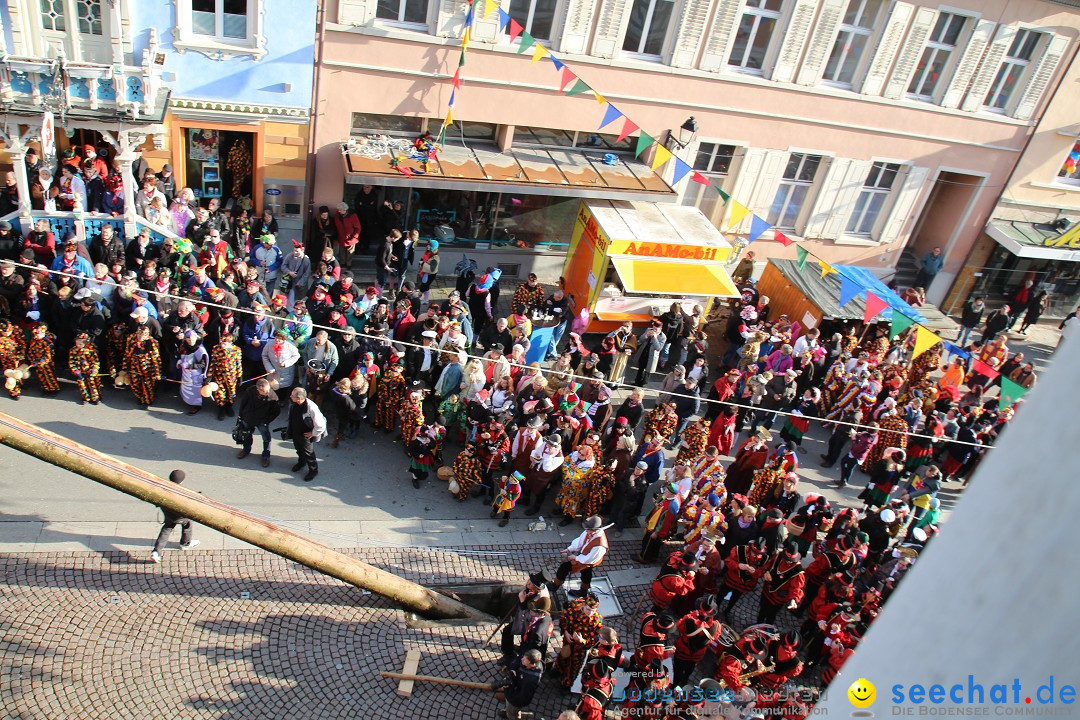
point(826, 268)
point(449, 118)
point(738, 212)
point(660, 156)
point(490, 6)
point(465, 39)
point(599, 98)
point(539, 53)
point(924, 340)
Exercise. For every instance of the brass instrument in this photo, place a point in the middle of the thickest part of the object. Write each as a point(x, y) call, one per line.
point(754, 673)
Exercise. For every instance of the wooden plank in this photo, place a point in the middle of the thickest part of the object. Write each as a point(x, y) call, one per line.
point(412, 664)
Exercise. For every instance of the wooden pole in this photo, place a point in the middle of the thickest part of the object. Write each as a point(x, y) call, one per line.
point(89, 463)
point(439, 680)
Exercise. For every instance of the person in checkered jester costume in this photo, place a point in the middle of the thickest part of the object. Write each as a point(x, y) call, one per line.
point(412, 412)
point(225, 370)
point(12, 355)
point(84, 365)
point(579, 623)
point(466, 469)
point(529, 293)
point(40, 354)
point(661, 421)
point(693, 442)
point(388, 398)
point(142, 362)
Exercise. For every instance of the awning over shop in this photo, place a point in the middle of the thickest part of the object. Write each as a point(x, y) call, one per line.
point(659, 277)
point(824, 292)
point(565, 172)
point(1036, 240)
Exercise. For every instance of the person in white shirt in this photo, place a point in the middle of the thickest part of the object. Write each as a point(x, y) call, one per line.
point(806, 342)
point(584, 554)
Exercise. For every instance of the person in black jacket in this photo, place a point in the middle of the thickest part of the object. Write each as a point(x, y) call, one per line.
point(171, 521)
point(970, 318)
point(256, 408)
point(997, 322)
point(11, 241)
point(106, 248)
point(519, 687)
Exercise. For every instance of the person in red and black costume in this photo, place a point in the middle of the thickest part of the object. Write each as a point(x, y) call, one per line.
point(696, 631)
point(648, 692)
point(654, 643)
point(676, 578)
point(597, 685)
point(839, 653)
point(837, 558)
point(610, 650)
point(742, 568)
point(784, 582)
point(745, 656)
point(832, 630)
point(782, 654)
point(836, 591)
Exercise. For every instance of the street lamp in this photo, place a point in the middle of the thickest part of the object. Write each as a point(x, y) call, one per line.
point(687, 133)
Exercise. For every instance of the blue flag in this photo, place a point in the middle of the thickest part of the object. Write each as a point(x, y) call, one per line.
point(558, 64)
point(954, 350)
point(757, 228)
point(849, 290)
point(680, 171)
point(611, 114)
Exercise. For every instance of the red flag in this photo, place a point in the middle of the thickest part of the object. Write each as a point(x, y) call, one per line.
point(983, 369)
point(628, 129)
point(874, 306)
point(515, 29)
point(782, 238)
point(699, 178)
point(568, 77)
point(456, 80)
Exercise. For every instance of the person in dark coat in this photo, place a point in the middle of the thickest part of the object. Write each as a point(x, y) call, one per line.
point(743, 527)
point(173, 519)
point(520, 684)
point(997, 322)
point(256, 408)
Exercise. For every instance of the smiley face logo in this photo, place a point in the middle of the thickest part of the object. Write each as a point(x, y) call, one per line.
point(862, 693)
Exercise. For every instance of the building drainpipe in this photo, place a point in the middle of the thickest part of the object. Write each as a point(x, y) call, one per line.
point(316, 76)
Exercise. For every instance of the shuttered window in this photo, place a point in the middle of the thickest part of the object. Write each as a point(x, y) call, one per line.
point(536, 16)
point(412, 12)
point(855, 31)
point(935, 57)
point(872, 198)
point(1012, 70)
point(793, 190)
point(648, 27)
point(756, 30)
point(713, 160)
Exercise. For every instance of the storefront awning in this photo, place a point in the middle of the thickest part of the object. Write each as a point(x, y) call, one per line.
point(657, 277)
point(1035, 240)
point(567, 172)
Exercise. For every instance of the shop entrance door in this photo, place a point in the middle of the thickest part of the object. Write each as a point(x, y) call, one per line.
point(220, 163)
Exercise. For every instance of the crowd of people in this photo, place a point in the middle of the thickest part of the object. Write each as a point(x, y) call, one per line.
point(235, 324)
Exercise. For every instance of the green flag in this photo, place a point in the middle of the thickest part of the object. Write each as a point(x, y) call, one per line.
point(644, 142)
point(723, 194)
point(1010, 393)
point(900, 323)
point(579, 87)
point(801, 253)
point(461, 60)
point(527, 41)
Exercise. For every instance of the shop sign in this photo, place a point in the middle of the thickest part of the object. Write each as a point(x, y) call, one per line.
point(273, 191)
point(591, 232)
point(1068, 239)
point(665, 250)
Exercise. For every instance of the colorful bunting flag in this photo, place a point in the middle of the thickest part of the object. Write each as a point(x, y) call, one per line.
point(983, 369)
point(723, 195)
point(738, 212)
point(957, 350)
point(456, 80)
point(644, 142)
point(758, 226)
point(801, 254)
point(515, 30)
point(782, 239)
point(611, 114)
point(568, 77)
point(599, 98)
point(874, 306)
point(504, 20)
point(579, 87)
point(539, 53)
point(449, 119)
point(1010, 393)
point(490, 6)
point(900, 323)
point(660, 157)
point(826, 268)
point(628, 129)
point(465, 37)
point(527, 41)
point(681, 170)
point(559, 64)
point(699, 178)
point(924, 340)
point(453, 93)
point(849, 290)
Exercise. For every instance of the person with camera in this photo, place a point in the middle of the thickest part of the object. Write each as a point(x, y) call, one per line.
point(295, 273)
point(257, 407)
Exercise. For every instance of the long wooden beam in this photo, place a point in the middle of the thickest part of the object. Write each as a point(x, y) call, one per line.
point(82, 460)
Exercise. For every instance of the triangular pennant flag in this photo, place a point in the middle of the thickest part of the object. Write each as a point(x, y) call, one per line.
point(900, 323)
point(826, 268)
point(527, 41)
point(644, 141)
point(452, 94)
point(1010, 393)
point(539, 53)
point(723, 195)
point(681, 170)
point(461, 60)
point(568, 77)
point(782, 239)
point(465, 38)
point(958, 351)
point(559, 64)
point(874, 306)
point(490, 6)
point(579, 87)
point(738, 212)
point(449, 118)
point(515, 30)
point(468, 20)
point(660, 157)
point(628, 129)
point(758, 226)
point(849, 290)
point(599, 98)
point(611, 114)
point(801, 254)
point(699, 178)
point(504, 19)
point(456, 80)
point(983, 369)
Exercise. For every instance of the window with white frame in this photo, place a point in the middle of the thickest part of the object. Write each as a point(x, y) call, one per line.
point(855, 31)
point(78, 27)
point(939, 49)
point(648, 28)
point(713, 160)
point(53, 15)
point(1012, 70)
point(1070, 169)
point(406, 12)
point(536, 16)
point(220, 28)
point(793, 190)
point(755, 33)
point(872, 198)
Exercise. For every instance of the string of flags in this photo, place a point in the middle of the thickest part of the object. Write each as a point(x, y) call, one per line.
point(571, 84)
